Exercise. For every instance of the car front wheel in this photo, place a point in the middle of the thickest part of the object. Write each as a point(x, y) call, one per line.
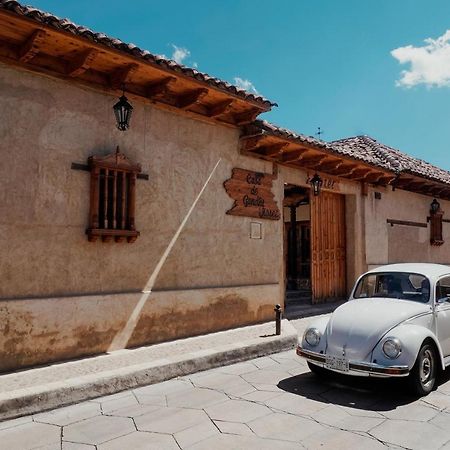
point(423, 374)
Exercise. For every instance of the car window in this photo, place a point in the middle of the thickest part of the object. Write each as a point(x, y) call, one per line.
point(443, 289)
point(402, 285)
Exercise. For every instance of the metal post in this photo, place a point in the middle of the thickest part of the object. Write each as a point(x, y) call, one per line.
point(278, 314)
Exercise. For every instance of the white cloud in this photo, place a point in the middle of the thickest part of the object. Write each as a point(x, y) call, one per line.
point(430, 64)
point(245, 84)
point(180, 54)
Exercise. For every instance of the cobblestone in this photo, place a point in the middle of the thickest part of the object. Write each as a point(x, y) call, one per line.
point(265, 403)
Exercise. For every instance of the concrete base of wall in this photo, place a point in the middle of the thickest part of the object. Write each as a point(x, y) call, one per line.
point(43, 330)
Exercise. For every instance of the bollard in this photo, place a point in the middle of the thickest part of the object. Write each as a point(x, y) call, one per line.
point(278, 314)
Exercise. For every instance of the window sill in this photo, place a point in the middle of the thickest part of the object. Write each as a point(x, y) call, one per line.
point(108, 235)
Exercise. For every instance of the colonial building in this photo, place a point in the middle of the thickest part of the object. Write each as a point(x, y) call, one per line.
point(189, 217)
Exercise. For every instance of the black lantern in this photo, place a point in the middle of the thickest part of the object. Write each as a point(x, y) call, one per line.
point(316, 184)
point(435, 206)
point(122, 111)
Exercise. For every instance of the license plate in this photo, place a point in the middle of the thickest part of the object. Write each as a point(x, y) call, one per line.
point(336, 363)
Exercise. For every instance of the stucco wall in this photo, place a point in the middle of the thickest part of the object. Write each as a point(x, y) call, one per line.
point(399, 243)
point(51, 271)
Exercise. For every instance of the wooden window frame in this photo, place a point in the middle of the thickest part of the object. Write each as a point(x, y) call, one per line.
point(436, 237)
point(112, 198)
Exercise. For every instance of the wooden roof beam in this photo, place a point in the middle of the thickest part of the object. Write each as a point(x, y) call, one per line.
point(82, 62)
point(32, 46)
point(330, 165)
point(444, 193)
point(438, 190)
point(360, 173)
point(220, 108)
point(401, 182)
point(374, 177)
point(386, 179)
point(185, 101)
point(293, 156)
point(313, 162)
point(246, 117)
point(344, 170)
point(251, 143)
point(272, 150)
point(160, 88)
point(122, 76)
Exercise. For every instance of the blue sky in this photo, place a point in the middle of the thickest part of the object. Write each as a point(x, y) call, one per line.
point(326, 63)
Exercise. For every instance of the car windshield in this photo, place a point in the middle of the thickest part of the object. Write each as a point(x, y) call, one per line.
point(402, 285)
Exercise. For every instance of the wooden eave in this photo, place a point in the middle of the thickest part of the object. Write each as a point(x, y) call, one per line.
point(40, 48)
point(414, 183)
point(291, 153)
point(303, 155)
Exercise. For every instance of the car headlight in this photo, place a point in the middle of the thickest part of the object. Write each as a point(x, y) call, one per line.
point(312, 337)
point(392, 348)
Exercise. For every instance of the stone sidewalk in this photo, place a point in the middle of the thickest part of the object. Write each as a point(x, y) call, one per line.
point(43, 388)
point(271, 402)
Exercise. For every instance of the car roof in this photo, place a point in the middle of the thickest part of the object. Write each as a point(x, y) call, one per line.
point(427, 269)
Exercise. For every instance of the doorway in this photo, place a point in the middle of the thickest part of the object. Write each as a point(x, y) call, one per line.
point(297, 245)
point(314, 246)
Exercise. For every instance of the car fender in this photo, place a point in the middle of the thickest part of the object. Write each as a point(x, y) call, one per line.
point(411, 337)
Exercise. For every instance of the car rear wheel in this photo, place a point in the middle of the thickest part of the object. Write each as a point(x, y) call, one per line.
point(317, 370)
point(423, 374)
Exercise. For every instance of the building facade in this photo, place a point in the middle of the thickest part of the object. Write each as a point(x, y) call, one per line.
point(190, 228)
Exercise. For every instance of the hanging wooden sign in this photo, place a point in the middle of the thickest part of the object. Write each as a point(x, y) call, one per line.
point(252, 194)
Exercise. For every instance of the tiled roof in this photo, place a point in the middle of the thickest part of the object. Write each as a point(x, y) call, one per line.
point(67, 26)
point(350, 151)
point(390, 158)
point(288, 134)
point(365, 149)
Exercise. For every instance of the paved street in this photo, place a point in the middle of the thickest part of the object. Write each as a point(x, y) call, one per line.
point(272, 402)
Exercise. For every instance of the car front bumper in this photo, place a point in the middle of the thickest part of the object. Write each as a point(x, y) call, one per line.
point(356, 367)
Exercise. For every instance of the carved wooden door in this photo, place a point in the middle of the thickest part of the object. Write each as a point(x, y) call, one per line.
point(328, 273)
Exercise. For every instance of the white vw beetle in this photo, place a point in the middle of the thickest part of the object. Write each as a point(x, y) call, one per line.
point(396, 324)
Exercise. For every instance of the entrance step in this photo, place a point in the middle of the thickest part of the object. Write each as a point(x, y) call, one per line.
point(298, 293)
point(299, 296)
point(297, 311)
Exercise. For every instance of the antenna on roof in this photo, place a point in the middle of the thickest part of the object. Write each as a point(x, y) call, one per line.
point(319, 132)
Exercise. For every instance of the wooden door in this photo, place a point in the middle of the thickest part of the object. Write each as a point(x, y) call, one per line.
point(328, 275)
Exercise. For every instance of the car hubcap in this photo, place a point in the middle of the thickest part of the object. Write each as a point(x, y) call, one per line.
point(426, 368)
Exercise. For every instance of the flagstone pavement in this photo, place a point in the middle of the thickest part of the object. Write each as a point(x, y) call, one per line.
point(272, 402)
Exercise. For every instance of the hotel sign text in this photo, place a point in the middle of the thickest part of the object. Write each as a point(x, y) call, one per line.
point(327, 183)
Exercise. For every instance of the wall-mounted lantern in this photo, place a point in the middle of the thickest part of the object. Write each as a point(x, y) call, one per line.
point(316, 184)
point(435, 206)
point(436, 214)
point(122, 111)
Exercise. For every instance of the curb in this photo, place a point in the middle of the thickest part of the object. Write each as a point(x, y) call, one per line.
point(57, 394)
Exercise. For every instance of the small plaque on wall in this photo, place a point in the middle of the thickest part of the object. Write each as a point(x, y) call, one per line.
point(252, 194)
point(255, 230)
